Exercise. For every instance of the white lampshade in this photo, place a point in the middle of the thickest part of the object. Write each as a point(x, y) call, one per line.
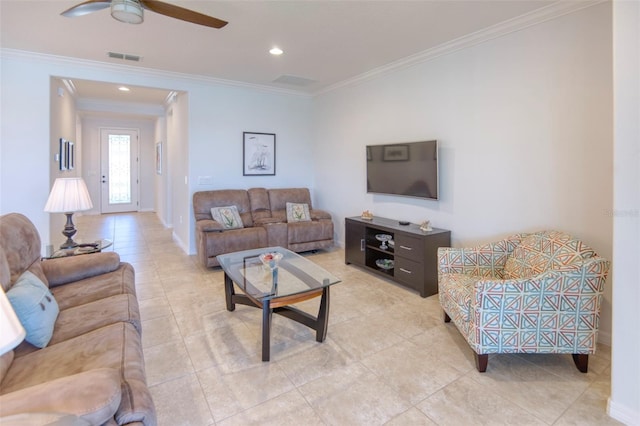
point(128, 11)
point(68, 195)
point(11, 331)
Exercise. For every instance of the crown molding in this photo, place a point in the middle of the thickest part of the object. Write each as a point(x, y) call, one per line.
point(538, 16)
point(65, 61)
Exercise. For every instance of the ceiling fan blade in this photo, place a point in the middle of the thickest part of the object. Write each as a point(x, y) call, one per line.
point(183, 14)
point(86, 8)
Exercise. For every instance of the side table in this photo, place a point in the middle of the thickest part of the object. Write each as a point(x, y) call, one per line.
point(95, 247)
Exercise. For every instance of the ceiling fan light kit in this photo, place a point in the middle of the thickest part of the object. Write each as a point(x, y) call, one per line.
point(128, 11)
point(132, 11)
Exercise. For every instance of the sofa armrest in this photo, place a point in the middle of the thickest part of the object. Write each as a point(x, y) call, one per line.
point(74, 268)
point(317, 214)
point(208, 225)
point(487, 260)
point(93, 395)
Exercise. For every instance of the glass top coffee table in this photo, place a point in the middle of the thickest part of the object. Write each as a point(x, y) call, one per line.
point(294, 280)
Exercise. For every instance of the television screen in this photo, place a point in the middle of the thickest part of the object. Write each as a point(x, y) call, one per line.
point(409, 169)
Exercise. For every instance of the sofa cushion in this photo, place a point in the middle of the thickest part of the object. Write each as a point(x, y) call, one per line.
point(5, 363)
point(21, 242)
point(203, 201)
point(77, 320)
point(304, 232)
point(92, 395)
point(227, 216)
point(120, 281)
point(543, 251)
point(36, 308)
point(298, 212)
point(116, 346)
point(278, 198)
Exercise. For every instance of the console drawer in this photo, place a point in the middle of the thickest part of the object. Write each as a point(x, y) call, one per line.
point(409, 247)
point(409, 272)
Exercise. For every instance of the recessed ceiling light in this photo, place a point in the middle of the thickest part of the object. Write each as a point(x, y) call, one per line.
point(124, 89)
point(276, 51)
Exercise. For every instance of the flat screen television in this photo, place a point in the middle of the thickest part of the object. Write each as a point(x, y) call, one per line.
point(407, 169)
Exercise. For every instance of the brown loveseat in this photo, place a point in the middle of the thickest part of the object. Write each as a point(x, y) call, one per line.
point(93, 366)
point(264, 222)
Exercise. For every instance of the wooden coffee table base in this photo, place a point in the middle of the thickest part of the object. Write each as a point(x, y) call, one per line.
point(281, 306)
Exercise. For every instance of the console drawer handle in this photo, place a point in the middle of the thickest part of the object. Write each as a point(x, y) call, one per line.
point(406, 271)
point(406, 248)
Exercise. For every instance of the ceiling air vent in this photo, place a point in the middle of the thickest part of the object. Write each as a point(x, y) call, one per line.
point(293, 80)
point(124, 56)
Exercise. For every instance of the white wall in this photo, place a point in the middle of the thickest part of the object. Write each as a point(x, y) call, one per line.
point(162, 194)
point(91, 173)
point(624, 403)
point(219, 115)
point(216, 115)
point(525, 129)
point(24, 142)
point(63, 125)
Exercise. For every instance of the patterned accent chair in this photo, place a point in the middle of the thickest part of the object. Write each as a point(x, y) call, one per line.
point(529, 293)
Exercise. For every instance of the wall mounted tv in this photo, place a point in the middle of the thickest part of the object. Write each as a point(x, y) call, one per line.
point(407, 169)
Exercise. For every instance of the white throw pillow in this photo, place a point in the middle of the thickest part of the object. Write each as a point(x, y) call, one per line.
point(298, 212)
point(228, 216)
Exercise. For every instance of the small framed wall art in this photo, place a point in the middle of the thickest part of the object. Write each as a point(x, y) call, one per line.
point(259, 154)
point(159, 158)
point(62, 154)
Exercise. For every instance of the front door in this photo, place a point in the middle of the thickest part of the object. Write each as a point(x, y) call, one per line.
point(119, 170)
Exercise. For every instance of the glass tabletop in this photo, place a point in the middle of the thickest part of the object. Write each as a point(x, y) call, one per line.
point(294, 274)
point(93, 247)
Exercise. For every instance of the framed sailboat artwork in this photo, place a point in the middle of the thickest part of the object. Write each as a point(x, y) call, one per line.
point(259, 152)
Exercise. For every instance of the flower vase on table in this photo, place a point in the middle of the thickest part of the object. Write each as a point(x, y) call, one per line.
point(270, 261)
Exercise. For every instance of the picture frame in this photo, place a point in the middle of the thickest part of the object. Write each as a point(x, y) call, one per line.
point(62, 154)
point(159, 158)
point(395, 153)
point(259, 154)
point(71, 155)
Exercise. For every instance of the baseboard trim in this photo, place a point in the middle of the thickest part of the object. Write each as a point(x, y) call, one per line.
point(604, 337)
point(622, 413)
point(178, 241)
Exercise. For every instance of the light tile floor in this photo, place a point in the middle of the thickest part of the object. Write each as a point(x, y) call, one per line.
point(388, 357)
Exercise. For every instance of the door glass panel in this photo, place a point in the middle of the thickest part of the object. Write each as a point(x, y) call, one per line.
point(119, 169)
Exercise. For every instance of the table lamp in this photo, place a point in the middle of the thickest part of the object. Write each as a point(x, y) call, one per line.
point(12, 331)
point(68, 195)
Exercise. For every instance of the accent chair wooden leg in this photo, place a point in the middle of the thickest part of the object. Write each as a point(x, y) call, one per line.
point(481, 362)
point(446, 317)
point(581, 361)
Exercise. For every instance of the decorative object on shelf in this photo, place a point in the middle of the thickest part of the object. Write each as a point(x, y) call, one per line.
point(426, 226)
point(384, 238)
point(12, 330)
point(386, 264)
point(367, 215)
point(259, 152)
point(68, 195)
point(391, 243)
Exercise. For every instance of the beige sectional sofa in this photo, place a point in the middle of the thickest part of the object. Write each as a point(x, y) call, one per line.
point(93, 366)
point(263, 213)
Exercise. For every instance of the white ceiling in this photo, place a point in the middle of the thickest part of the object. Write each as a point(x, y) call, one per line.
point(323, 41)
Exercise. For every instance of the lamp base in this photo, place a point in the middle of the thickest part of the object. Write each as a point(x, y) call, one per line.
point(69, 231)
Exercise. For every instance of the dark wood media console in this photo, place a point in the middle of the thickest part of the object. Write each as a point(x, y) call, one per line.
point(413, 251)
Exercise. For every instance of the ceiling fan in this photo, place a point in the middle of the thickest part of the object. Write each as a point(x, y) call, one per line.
point(131, 11)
